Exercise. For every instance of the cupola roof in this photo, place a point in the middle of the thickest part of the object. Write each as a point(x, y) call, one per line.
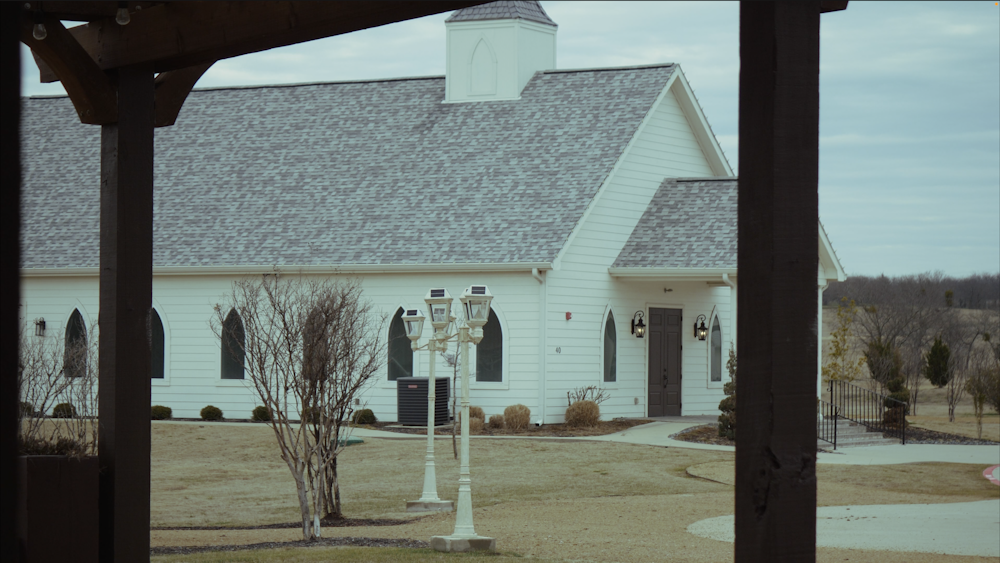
point(503, 10)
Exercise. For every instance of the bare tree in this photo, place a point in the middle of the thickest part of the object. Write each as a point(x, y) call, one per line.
point(310, 347)
point(913, 362)
point(51, 372)
point(843, 362)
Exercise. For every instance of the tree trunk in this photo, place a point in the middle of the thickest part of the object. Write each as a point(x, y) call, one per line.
point(307, 525)
point(331, 493)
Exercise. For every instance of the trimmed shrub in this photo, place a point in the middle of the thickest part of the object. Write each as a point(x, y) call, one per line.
point(727, 420)
point(476, 412)
point(160, 412)
point(364, 416)
point(211, 413)
point(62, 446)
point(260, 414)
point(475, 425)
point(936, 369)
point(496, 422)
point(583, 414)
point(64, 410)
point(517, 417)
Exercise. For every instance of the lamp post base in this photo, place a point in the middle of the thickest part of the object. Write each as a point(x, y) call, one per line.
point(457, 544)
point(430, 506)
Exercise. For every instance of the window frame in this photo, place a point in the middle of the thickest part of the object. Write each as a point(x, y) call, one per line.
point(504, 382)
point(715, 317)
point(222, 349)
point(398, 315)
point(86, 339)
point(165, 381)
point(602, 380)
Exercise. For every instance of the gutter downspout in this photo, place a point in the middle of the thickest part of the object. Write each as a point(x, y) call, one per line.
point(732, 307)
point(542, 339)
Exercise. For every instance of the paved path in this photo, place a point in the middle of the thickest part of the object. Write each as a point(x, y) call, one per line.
point(961, 528)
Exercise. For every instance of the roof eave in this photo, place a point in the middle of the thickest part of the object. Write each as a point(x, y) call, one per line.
point(331, 269)
point(685, 274)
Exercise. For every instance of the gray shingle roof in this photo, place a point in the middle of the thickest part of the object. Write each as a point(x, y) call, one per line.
point(503, 10)
point(376, 172)
point(690, 223)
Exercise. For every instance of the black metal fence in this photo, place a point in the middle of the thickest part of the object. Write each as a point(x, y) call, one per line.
point(826, 422)
point(875, 411)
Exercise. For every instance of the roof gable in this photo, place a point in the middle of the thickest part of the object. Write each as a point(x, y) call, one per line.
point(690, 223)
point(376, 172)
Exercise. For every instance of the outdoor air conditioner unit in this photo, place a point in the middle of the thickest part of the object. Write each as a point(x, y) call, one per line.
point(411, 401)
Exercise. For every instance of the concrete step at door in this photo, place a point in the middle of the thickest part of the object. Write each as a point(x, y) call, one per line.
point(851, 434)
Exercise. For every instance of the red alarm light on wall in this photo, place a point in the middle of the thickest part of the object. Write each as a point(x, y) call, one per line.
point(569, 315)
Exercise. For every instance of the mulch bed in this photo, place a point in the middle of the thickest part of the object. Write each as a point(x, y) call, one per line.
point(321, 542)
point(328, 523)
point(916, 435)
point(706, 434)
point(709, 434)
point(546, 430)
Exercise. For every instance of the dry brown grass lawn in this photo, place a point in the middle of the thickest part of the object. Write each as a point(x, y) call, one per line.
point(553, 499)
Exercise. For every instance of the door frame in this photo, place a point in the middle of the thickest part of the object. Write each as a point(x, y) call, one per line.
point(645, 352)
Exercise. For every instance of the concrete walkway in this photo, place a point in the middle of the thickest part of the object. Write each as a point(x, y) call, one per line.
point(658, 434)
point(961, 528)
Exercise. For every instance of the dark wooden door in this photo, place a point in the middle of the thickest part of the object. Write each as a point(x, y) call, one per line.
point(664, 362)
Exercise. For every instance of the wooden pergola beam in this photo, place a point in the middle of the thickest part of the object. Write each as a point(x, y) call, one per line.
point(90, 89)
point(171, 90)
point(176, 35)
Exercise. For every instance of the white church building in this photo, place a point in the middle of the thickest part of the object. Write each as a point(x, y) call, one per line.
point(585, 199)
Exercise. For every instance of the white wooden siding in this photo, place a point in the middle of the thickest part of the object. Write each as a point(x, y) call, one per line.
point(192, 379)
point(665, 147)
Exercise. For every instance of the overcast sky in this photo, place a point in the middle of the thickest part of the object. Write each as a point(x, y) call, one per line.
point(909, 122)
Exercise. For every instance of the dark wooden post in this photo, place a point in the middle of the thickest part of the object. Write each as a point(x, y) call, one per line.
point(10, 263)
point(778, 260)
point(125, 300)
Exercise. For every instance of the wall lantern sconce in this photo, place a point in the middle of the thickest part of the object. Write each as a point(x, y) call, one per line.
point(638, 327)
point(700, 331)
point(39, 327)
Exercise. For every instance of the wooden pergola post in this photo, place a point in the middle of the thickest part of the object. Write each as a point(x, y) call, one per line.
point(778, 260)
point(126, 288)
point(10, 263)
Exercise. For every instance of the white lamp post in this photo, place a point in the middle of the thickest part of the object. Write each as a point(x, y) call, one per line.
point(414, 322)
point(476, 301)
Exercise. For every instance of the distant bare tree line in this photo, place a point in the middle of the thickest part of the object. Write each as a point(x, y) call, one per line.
point(978, 291)
point(896, 322)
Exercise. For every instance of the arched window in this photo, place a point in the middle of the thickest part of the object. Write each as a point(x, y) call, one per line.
point(610, 349)
point(233, 353)
point(716, 344)
point(489, 352)
point(400, 359)
point(75, 346)
point(156, 351)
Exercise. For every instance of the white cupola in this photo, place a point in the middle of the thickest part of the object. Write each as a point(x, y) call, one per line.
point(494, 49)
